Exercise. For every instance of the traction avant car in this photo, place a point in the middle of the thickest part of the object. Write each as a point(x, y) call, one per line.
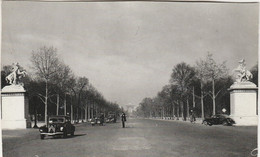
point(57, 125)
point(219, 119)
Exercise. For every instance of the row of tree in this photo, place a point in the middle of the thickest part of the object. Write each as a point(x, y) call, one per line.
point(201, 89)
point(53, 89)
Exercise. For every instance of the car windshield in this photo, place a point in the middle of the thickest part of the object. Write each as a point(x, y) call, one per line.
point(56, 120)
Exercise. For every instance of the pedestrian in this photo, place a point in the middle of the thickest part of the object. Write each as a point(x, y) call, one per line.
point(102, 119)
point(123, 118)
point(193, 118)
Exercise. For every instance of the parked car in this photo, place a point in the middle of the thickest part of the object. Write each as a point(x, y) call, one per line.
point(57, 125)
point(219, 119)
point(111, 118)
point(96, 121)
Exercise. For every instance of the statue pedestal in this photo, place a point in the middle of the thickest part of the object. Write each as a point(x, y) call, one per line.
point(15, 107)
point(243, 103)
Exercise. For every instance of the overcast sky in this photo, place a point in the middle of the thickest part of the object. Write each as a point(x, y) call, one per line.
point(128, 49)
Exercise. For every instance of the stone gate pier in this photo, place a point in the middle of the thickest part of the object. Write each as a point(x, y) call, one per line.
point(243, 103)
point(15, 107)
point(14, 101)
point(243, 97)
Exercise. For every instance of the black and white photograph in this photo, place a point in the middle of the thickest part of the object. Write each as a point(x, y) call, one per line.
point(170, 78)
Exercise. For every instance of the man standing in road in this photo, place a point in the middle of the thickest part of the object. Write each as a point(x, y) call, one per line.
point(102, 119)
point(193, 118)
point(123, 118)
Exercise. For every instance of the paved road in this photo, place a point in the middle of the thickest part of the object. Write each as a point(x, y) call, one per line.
point(141, 138)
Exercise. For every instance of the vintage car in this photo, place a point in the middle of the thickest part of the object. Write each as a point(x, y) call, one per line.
point(219, 119)
point(96, 121)
point(111, 118)
point(57, 125)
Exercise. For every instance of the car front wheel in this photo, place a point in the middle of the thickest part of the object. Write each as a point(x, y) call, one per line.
point(42, 137)
point(64, 134)
point(225, 123)
point(205, 122)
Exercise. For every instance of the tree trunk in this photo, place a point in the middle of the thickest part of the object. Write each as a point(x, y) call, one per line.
point(71, 110)
point(193, 98)
point(86, 114)
point(58, 104)
point(96, 111)
point(46, 102)
point(162, 112)
point(178, 110)
point(92, 111)
point(188, 108)
point(89, 111)
point(213, 97)
point(169, 112)
point(65, 105)
point(77, 114)
point(173, 110)
point(182, 113)
point(35, 117)
point(81, 114)
point(201, 100)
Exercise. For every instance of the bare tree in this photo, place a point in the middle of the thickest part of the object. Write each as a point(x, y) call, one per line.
point(201, 76)
point(45, 64)
point(213, 71)
point(77, 87)
point(62, 80)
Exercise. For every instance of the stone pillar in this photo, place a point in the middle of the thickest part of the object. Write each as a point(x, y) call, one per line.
point(14, 107)
point(243, 103)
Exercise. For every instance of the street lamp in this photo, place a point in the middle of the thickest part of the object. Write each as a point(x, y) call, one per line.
point(35, 117)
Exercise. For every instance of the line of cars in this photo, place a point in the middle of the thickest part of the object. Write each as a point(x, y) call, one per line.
point(111, 118)
point(62, 126)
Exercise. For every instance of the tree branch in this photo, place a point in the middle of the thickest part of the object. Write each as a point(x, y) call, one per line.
point(41, 95)
point(41, 99)
point(218, 92)
point(53, 102)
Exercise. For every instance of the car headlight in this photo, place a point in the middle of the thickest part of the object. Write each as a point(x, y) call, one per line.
point(61, 128)
point(41, 130)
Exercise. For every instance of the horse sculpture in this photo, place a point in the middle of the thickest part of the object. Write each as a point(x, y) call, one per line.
point(243, 74)
point(16, 74)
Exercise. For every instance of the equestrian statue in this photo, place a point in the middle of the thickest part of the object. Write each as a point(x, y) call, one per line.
point(243, 75)
point(15, 76)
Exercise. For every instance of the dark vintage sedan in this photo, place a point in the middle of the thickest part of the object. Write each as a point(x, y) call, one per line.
point(219, 119)
point(57, 125)
point(111, 118)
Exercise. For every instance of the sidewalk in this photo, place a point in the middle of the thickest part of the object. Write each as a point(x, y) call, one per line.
point(198, 120)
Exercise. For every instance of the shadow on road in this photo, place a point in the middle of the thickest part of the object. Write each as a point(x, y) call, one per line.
point(68, 137)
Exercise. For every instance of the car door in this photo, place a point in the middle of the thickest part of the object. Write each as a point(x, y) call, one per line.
point(215, 119)
point(218, 119)
point(221, 119)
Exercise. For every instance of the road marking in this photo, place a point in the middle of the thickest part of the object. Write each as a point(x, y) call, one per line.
point(131, 143)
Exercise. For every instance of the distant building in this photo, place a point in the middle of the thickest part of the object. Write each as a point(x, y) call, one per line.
point(130, 109)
